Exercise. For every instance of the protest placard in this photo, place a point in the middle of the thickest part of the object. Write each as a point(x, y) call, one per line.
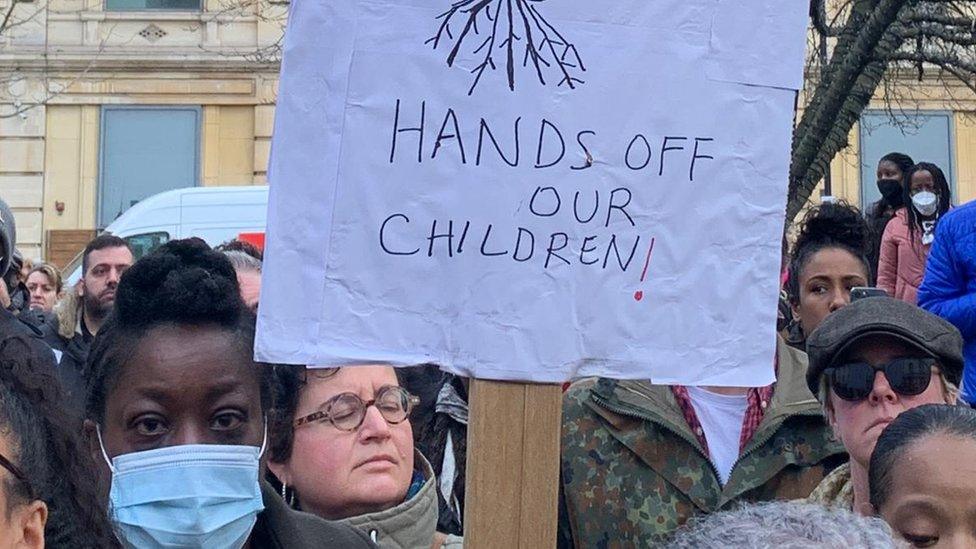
point(532, 190)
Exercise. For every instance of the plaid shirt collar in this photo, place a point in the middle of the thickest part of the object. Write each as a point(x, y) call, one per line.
point(758, 397)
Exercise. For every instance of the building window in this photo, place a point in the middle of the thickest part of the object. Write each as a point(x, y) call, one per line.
point(171, 5)
point(925, 136)
point(145, 151)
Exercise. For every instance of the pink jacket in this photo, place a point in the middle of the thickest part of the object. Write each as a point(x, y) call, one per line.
point(901, 265)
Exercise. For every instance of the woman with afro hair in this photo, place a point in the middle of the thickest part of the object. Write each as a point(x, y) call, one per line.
point(177, 413)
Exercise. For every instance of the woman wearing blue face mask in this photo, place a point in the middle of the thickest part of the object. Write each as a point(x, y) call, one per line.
point(908, 236)
point(176, 413)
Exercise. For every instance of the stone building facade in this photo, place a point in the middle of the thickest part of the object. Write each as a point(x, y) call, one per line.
point(70, 68)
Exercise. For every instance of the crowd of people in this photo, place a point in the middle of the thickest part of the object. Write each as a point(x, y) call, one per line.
point(133, 413)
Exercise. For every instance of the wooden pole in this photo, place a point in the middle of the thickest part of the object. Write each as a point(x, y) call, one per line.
point(512, 486)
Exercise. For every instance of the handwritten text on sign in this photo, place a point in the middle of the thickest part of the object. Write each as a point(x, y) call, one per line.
point(588, 208)
point(530, 190)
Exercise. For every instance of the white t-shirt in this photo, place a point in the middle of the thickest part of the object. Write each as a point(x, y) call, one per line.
point(721, 418)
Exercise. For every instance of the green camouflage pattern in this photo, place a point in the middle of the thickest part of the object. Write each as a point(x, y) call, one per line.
point(633, 472)
point(836, 490)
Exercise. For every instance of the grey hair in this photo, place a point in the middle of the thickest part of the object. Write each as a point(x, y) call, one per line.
point(243, 262)
point(786, 525)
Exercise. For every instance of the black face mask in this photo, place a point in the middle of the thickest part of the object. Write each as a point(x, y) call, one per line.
point(891, 192)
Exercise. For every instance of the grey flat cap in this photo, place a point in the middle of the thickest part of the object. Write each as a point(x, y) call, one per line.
point(8, 236)
point(883, 316)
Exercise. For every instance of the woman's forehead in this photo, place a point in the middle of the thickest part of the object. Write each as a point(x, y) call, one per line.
point(352, 379)
point(187, 356)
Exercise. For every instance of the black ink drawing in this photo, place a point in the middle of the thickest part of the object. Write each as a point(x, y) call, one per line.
point(505, 27)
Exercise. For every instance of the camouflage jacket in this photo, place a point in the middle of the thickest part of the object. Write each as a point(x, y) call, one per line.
point(633, 471)
point(836, 490)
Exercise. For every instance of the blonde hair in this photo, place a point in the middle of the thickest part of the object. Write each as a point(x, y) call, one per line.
point(52, 273)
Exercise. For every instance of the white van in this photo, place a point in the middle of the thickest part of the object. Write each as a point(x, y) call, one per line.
point(215, 214)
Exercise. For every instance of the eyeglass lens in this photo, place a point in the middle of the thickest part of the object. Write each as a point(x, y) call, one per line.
point(906, 376)
point(348, 411)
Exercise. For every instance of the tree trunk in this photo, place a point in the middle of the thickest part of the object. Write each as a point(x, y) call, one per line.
point(850, 80)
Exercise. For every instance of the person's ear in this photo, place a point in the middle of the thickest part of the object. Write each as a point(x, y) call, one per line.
point(28, 521)
point(832, 419)
point(280, 471)
point(80, 288)
point(90, 433)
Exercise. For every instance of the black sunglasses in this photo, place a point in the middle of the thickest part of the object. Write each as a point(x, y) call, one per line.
point(906, 376)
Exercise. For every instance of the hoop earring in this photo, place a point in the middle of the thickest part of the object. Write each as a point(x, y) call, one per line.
point(289, 501)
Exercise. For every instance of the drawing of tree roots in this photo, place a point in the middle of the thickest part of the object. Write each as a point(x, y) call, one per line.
point(508, 28)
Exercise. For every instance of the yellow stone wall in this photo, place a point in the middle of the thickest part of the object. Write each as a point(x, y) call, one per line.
point(71, 166)
point(845, 172)
point(22, 175)
point(965, 125)
point(228, 145)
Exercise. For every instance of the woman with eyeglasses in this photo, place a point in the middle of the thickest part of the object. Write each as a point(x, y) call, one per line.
point(177, 413)
point(47, 495)
point(342, 448)
point(923, 476)
point(869, 362)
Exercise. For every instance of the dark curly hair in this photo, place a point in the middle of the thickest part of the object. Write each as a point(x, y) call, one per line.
point(181, 282)
point(908, 428)
point(830, 225)
point(47, 447)
point(941, 187)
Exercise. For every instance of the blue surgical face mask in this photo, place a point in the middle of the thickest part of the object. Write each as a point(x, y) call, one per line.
point(189, 496)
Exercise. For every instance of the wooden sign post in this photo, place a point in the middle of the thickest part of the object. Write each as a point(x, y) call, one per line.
point(512, 485)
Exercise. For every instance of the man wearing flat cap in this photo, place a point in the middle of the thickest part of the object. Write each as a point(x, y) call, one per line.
point(869, 362)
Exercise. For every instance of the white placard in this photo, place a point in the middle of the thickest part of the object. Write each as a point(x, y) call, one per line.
point(532, 190)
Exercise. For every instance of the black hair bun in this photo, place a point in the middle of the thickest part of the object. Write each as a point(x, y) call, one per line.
point(835, 223)
point(181, 281)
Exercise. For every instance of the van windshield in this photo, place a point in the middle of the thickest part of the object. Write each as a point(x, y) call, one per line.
point(142, 244)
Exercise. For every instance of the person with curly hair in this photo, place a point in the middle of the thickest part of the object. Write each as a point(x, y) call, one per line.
point(177, 411)
point(829, 258)
point(47, 494)
point(908, 237)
